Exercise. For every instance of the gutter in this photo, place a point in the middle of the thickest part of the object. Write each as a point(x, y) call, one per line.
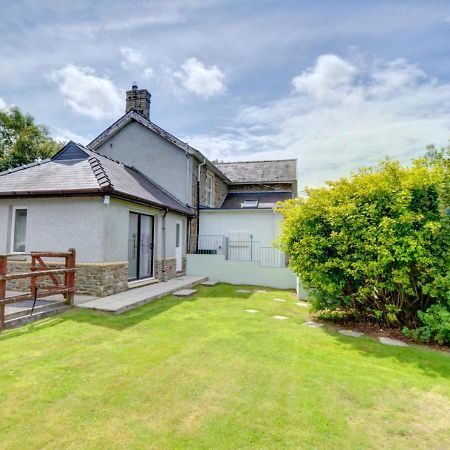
point(92, 192)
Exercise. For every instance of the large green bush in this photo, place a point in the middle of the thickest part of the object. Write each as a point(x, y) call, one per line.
point(375, 245)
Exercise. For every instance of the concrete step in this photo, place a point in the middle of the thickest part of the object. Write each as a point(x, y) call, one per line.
point(25, 319)
point(133, 298)
point(40, 307)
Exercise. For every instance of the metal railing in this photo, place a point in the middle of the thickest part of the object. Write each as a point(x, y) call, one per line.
point(236, 250)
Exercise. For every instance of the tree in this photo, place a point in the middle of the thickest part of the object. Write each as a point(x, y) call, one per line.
point(376, 245)
point(22, 141)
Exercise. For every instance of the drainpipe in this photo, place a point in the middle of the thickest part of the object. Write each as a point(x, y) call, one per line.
point(164, 245)
point(198, 202)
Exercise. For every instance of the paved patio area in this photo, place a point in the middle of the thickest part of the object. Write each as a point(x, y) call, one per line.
point(52, 298)
point(124, 301)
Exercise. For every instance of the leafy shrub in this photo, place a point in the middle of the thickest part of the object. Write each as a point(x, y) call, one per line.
point(376, 244)
point(435, 325)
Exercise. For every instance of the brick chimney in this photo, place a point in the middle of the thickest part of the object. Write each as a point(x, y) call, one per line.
point(138, 100)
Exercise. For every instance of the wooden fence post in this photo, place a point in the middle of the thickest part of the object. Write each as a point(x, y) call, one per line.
point(3, 268)
point(70, 264)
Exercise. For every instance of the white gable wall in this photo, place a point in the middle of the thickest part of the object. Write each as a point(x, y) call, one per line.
point(158, 159)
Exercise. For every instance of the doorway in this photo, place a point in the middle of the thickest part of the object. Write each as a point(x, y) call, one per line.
point(140, 246)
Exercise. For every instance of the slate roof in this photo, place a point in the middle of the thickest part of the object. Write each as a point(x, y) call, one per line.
point(247, 172)
point(78, 170)
point(137, 117)
point(266, 200)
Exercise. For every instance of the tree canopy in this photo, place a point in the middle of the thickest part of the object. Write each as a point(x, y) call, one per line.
point(22, 141)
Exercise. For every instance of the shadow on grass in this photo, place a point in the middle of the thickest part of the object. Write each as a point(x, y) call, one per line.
point(134, 316)
point(432, 362)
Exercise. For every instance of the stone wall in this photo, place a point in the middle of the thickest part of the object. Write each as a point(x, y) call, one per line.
point(261, 187)
point(98, 279)
point(170, 269)
point(220, 190)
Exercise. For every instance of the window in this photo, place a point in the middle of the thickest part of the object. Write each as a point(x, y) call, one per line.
point(209, 190)
point(19, 229)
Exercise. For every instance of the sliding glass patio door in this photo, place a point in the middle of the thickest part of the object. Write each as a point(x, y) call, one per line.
point(140, 246)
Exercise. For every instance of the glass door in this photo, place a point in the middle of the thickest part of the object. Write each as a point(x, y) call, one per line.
point(140, 246)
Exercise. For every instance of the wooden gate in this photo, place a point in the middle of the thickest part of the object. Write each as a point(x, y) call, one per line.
point(38, 268)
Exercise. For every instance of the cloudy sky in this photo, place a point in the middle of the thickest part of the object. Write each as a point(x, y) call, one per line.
point(336, 84)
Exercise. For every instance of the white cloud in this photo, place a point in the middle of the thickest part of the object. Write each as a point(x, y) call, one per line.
point(131, 58)
point(204, 81)
point(148, 73)
point(88, 94)
point(65, 135)
point(330, 73)
point(391, 108)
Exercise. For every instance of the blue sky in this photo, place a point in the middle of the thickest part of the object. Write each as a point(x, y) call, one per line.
point(336, 84)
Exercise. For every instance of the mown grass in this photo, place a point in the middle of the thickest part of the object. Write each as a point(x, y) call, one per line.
point(202, 373)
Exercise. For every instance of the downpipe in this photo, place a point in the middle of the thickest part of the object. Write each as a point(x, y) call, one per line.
point(164, 276)
point(198, 203)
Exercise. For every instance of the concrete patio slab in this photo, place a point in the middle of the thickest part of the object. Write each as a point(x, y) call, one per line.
point(185, 292)
point(303, 304)
point(133, 298)
point(209, 283)
point(394, 342)
point(78, 298)
point(280, 317)
point(313, 324)
point(252, 311)
point(351, 333)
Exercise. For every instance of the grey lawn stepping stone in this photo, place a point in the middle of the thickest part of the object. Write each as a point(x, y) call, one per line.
point(251, 311)
point(279, 300)
point(185, 292)
point(394, 342)
point(261, 291)
point(304, 304)
point(280, 317)
point(313, 324)
point(244, 291)
point(209, 283)
point(351, 333)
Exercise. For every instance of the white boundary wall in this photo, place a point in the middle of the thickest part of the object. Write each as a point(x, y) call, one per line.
point(216, 268)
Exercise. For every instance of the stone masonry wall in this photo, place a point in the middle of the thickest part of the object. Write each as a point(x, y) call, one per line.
point(98, 279)
point(170, 269)
point(260, 187)
point(220, 190)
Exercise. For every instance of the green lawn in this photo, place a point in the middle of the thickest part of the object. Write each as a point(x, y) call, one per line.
point(202, 373)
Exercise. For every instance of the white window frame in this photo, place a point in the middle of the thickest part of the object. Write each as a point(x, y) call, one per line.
point(13, 227)
point(209, 190)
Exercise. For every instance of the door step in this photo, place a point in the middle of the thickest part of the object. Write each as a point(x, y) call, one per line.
point(140, 283)
point(40, 312)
